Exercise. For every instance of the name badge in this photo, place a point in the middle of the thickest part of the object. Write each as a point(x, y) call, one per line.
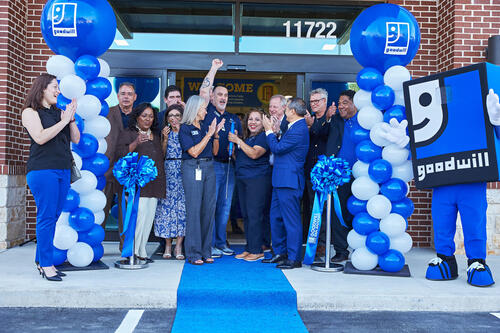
point(197, 174)
point(195, 132)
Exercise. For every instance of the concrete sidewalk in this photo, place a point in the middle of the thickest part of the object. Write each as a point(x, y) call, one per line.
point(156, 286)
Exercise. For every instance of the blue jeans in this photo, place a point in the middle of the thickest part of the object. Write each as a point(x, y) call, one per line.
point(49, 188)
point(223, 205)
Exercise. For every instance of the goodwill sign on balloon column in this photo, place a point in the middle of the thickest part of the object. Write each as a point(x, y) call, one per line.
point(384, 38)
point(78, 32)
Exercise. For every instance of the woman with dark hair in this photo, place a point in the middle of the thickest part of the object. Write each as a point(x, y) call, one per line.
point(170, 218)
point(50, 130)
point(253, 179)
point(142, 136)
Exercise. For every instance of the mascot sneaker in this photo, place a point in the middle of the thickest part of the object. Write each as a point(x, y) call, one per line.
point(442, 268)
point(479, 274)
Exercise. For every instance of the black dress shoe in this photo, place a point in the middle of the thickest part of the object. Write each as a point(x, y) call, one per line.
point(276, 259)
point(288, 264)
point(339, 257)
point(59, 273)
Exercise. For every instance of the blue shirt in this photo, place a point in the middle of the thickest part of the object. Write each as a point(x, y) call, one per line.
point(223, 133)
point(124, 118)
point(348, 148)
point(250, 168)
point(190, 136)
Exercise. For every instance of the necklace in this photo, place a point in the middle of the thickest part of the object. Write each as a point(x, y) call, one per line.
point(148, 132)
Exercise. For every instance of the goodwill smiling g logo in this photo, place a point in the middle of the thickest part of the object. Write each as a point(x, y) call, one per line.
point(397, 38)
point(64, 20)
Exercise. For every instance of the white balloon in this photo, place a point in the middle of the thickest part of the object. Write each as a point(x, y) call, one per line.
point(104, 68)
point(88, 107)
point(402, 243)
point(369, 116)
point(64, 237)
point(395, 76)
point(360, 169)
point(99, 217)
point(363, 260)
point(60, 66)
point(63, 219)
point(355, 240)
point(399, 98)
point(364, 188)
point(94, 200)
point(403, 171)
point(393, 225)
point(378, 206)
point(72, 86)
point(78, 160)
point(103, 146)
point(80, 255)
point(375, 134)
point(395, 155)
point(98, 126)
point(362, 98)
point(86, 184)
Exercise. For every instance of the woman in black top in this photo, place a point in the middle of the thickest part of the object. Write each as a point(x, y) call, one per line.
point(50, 130)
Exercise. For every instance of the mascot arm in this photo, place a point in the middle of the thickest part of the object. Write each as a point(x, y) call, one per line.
point(396, 132)
point(493, 107)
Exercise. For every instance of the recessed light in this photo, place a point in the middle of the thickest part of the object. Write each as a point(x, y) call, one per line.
point(328, 47)
point(121, 42)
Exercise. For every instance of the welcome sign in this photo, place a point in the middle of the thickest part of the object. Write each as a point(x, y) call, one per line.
point(242, 92)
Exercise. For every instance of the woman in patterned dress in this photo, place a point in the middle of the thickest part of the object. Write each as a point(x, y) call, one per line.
point(170, 218)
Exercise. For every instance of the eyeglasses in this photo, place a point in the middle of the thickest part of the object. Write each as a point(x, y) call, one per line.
point(315, 101)
point(174, 115)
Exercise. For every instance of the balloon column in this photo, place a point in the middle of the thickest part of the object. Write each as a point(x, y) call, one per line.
point(78, 32)
point(384, 39)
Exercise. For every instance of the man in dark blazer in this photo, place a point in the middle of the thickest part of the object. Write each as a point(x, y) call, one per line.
point(288, 185)
point(340, 144)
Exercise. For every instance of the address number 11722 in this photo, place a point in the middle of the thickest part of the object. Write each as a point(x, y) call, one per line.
point(308, 27)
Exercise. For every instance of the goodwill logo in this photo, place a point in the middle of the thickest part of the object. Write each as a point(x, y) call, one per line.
point(397, 38)
point(64, 20)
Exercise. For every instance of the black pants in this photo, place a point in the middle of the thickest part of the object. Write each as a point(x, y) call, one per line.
point(255, 200)
point(339, 232)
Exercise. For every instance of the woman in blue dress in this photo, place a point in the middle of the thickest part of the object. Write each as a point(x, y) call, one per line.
point(170, 218)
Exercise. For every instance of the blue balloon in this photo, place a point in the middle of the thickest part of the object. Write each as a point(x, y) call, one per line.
point(72, 201)
point(364, 224)
point(99, 87)
point(59, 256)
point(87, 146)
point(367, 151)
point(394, 189)
point(355, 206)
point(101, 183)
point(403, 207)
point(62, 102)
point(93, 237)
point(81, 219)
point(396, 111)
point(359, 134)
point(383, 97)
point(377, 242)
point(87, 67)
point(369, 78)
point(104, 109)
point(380, 171)
point(146, 88)
point(114, 211)
point(98, 252)
point(79, 123)
point(384, 35)
point(98, 164)
point(78, 27)
point(391, 261)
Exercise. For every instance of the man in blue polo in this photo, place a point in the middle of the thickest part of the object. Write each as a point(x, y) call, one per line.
point(223, 165)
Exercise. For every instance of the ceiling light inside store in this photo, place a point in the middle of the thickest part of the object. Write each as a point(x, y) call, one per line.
point(121, 42)
point(328, 47)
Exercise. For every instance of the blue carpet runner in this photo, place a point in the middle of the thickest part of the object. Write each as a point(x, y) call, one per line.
point(233, 295)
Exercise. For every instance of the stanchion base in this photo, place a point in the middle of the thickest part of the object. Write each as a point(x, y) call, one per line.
point(320, 267)
point(127, 264)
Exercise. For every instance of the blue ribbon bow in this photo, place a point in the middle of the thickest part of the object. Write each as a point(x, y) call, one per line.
point(328, 174)
point(133, 172)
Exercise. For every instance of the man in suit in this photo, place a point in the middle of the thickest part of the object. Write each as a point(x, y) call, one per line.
point(288, 185)
point(341, 144)
point(118, 119)
point(277, 106)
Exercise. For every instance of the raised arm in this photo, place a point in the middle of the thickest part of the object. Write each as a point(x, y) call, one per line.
point(208, 81)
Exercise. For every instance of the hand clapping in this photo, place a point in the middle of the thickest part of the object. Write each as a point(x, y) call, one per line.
point(69, 114)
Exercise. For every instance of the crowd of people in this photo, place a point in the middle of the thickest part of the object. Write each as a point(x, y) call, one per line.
point(203, 153)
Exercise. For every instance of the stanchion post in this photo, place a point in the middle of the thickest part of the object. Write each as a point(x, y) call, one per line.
point(131, 262)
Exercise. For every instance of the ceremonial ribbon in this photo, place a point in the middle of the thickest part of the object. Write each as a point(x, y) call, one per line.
point(133, 172)
point(326, 176)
